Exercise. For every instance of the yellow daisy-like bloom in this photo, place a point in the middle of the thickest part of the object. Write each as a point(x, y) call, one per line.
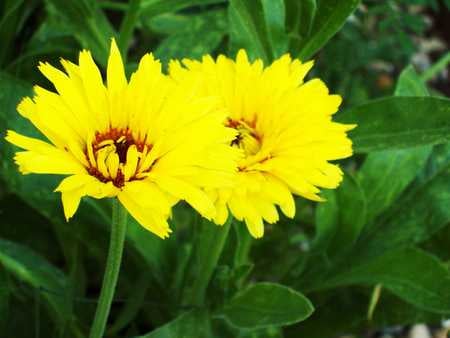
point(149, 142)
point(285, 133)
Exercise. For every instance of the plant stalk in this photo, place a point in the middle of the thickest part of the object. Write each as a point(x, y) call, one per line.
point(116, 245)
point(210, 244)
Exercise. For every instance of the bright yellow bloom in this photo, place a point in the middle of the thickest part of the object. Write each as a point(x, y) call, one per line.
point(149, 141)
point(285, 133)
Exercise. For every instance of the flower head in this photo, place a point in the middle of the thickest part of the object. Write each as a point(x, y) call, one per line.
point(284, 130)
point(148, 141)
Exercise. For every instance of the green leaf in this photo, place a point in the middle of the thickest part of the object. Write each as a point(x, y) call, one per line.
point(184, 43)
point(299, 20)
point(340, 220)
point(385, 174)
point(34, 270)
point(412, 274)
point(274, 17)
point(188, 325)
point(88, 24)
point(248, 29)
point(259, 27)
point(398, 122)
point(330, 17)
point(13, 14)
point(410, 84)
point(150, 8)
point(267, 304)
point(414, 218)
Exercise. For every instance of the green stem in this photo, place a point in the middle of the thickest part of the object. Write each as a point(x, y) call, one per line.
point(116, 244)
point(244, 244)
point(438, 67)
point(127, 27)
point(210, 244)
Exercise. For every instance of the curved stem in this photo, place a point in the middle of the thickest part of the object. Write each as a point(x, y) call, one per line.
point(210, 245)
point(116, 244)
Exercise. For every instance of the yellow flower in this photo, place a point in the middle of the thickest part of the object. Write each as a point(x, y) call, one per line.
point(285, 133)
point(149, 141)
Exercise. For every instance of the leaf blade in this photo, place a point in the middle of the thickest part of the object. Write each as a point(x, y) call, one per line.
point(398, 123)
point(267, 304)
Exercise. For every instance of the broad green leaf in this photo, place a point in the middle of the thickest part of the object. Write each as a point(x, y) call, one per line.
point(34, 270)
point(185, 42)
point(248, 29)
point(150, 8)
point(385, 174)
point(398, 122)
point(340, 219)
point(87, 22)
point(267, 304)
point(437, 162)
point(191, 324)
point(259, 27)
point(308, 13)
point(326, 220)
point(416, 216)
point(299, 20)
point(330, 17)
point(274, 15)
point(412, 274)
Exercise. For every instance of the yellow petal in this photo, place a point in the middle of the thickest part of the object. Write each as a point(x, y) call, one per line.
point(94, 89)
point(74, 187)
point(194, 196)
point(70, 200)
point(42, 157)
point(116, 79)
point(151, 219)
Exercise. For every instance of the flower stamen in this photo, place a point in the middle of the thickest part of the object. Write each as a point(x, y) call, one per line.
point(115, 156)
point(247, 138)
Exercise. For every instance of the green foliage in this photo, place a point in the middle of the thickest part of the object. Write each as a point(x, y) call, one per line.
point(330, 17)
point(398, 122)
point(189, 324)
point(28, 267)
point(374, 254)
point(267, 304)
